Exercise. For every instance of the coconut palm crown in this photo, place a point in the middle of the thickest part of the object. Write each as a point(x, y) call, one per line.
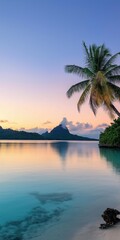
point(100, 76)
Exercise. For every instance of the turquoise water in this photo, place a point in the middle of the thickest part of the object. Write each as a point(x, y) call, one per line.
point(51, 189)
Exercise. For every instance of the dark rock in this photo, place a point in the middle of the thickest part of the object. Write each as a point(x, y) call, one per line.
point(104, 226)
point(110, 218)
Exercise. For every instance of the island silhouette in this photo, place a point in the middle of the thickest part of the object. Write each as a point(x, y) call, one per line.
point(57, 133)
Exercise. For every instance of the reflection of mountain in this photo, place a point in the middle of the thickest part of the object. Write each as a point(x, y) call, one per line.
point(65, 149)
point(112, 156)
point(61, 148)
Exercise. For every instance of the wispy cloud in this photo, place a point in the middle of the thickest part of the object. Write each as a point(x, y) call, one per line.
point(95, 132)
point(4, 121)
point(36, 129)
point(85, 129)
point(103, 125)
point(75, 127)
point(47, 122)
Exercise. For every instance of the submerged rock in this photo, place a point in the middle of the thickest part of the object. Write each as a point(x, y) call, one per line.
point(52, 197)
point(36, 221)
point(110, 218)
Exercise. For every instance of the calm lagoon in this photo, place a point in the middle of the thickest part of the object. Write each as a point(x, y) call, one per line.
point(52, 190)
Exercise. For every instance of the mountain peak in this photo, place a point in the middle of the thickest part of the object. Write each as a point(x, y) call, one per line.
point(63, 126)
point(59, 132)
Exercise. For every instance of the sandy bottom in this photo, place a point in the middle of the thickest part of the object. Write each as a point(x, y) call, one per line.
point(90, 232)
point(94, 233)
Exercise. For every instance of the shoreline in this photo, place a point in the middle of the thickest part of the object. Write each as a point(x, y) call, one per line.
point(108, 146)
point(92, 232)
point(88, 232)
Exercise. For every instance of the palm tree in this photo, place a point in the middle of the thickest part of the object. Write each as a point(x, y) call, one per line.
point(100, 74)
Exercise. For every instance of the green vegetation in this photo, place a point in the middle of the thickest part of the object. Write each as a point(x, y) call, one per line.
point(111, 135)
point(100, 74)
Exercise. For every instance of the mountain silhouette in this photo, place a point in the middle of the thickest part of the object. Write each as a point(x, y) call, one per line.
point(19, 135)
point(58, 133)
point(62, 133)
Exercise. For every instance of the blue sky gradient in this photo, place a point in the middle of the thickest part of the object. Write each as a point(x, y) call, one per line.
point(37, 39)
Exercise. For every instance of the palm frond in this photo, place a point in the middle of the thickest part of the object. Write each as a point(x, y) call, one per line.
point(88, 72)
point(93, 104)
point(115, 109)
point(86, 50)
point(109, 110)
point(98, 57)
point(115, 90)
point(91, 51)
point(88, 57)
point(92, 62)
point(75, 69)
point(110, 61)
point(77, 87)
point(104, 54)
point(83, 96)
point(113, 71)
point(114, 78)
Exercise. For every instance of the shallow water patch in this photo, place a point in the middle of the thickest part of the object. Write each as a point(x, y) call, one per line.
point(37, 220)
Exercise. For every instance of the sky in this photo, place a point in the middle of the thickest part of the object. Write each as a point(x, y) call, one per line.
point(37, 39)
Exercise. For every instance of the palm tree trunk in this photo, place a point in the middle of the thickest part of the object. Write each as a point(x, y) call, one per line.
point(115, 110)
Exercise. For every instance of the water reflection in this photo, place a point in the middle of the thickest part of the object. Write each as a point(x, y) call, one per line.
point(82, 149)
point(40, 156)
point(36, 191)
point(112, 156)
point(61, 148)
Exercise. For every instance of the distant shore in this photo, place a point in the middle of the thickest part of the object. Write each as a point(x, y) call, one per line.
point(57, 133)
point(108, 146)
